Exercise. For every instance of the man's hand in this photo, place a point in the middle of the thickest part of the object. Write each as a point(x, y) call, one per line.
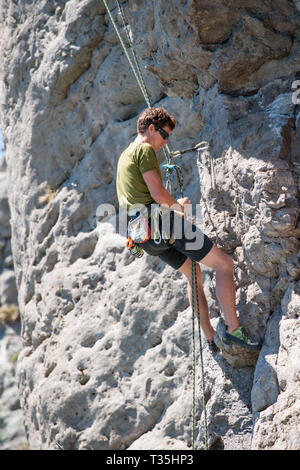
point(161, 195)
point(186, 206)
point(183, 201)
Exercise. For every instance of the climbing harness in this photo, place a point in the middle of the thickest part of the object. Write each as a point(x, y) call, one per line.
point(138, 229)
point(169, 167)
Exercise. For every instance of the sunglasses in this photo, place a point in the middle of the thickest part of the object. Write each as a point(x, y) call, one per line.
point(162, 132)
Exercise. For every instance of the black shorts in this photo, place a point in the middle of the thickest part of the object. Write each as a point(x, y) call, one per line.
point(188, 242)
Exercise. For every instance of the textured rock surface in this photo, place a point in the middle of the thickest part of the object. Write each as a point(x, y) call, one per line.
point(12, 432)
point(236, 355)
point(106, 361)
point(8, 290)
point(276, 390)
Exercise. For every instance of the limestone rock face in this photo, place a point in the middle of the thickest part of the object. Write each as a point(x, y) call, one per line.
point(8, 290)
point(12, 432)
point(236, 355)
point(107, 348)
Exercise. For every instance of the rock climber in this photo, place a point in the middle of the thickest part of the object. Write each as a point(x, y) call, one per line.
point(139, 182)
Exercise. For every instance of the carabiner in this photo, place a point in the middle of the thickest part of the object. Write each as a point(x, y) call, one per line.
point(202, 146)
point(129, 243)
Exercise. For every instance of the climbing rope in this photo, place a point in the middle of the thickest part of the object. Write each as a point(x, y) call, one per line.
point(195, 294)
point(169, 168)
point(136, 69)
point(134, 66)
point(213, 186)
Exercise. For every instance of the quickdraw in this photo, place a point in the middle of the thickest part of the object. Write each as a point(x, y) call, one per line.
point(134, 249)
point(199, 148)
point(170, 167)
point(169, 170)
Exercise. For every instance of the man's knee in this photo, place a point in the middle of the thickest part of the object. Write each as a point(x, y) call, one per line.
point(225, 262)
point(186, 269)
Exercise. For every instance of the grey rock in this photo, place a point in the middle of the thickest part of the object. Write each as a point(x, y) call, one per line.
point(12, 431)
point(106, 358)
point(234, 354)
point(8, 290)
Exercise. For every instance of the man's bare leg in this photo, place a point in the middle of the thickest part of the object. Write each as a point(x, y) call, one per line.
point(206, 326)
point(225, 290)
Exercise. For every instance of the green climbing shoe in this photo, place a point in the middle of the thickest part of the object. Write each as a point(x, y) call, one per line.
point(239, 336)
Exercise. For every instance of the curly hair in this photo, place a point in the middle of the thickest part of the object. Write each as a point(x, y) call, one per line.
point(157, 116)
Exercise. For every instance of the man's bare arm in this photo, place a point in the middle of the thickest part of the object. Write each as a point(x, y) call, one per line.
point(160, 194)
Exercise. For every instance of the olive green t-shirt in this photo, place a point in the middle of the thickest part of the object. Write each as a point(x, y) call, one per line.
point(133, 162)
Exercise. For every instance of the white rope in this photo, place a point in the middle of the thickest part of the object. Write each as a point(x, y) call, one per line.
point(136, 74)
point(137, 71)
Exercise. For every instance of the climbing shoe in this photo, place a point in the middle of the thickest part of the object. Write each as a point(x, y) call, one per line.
point(239, 336)
point(212, 346)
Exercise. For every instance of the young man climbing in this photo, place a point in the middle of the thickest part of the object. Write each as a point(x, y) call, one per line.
point(139, 181)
